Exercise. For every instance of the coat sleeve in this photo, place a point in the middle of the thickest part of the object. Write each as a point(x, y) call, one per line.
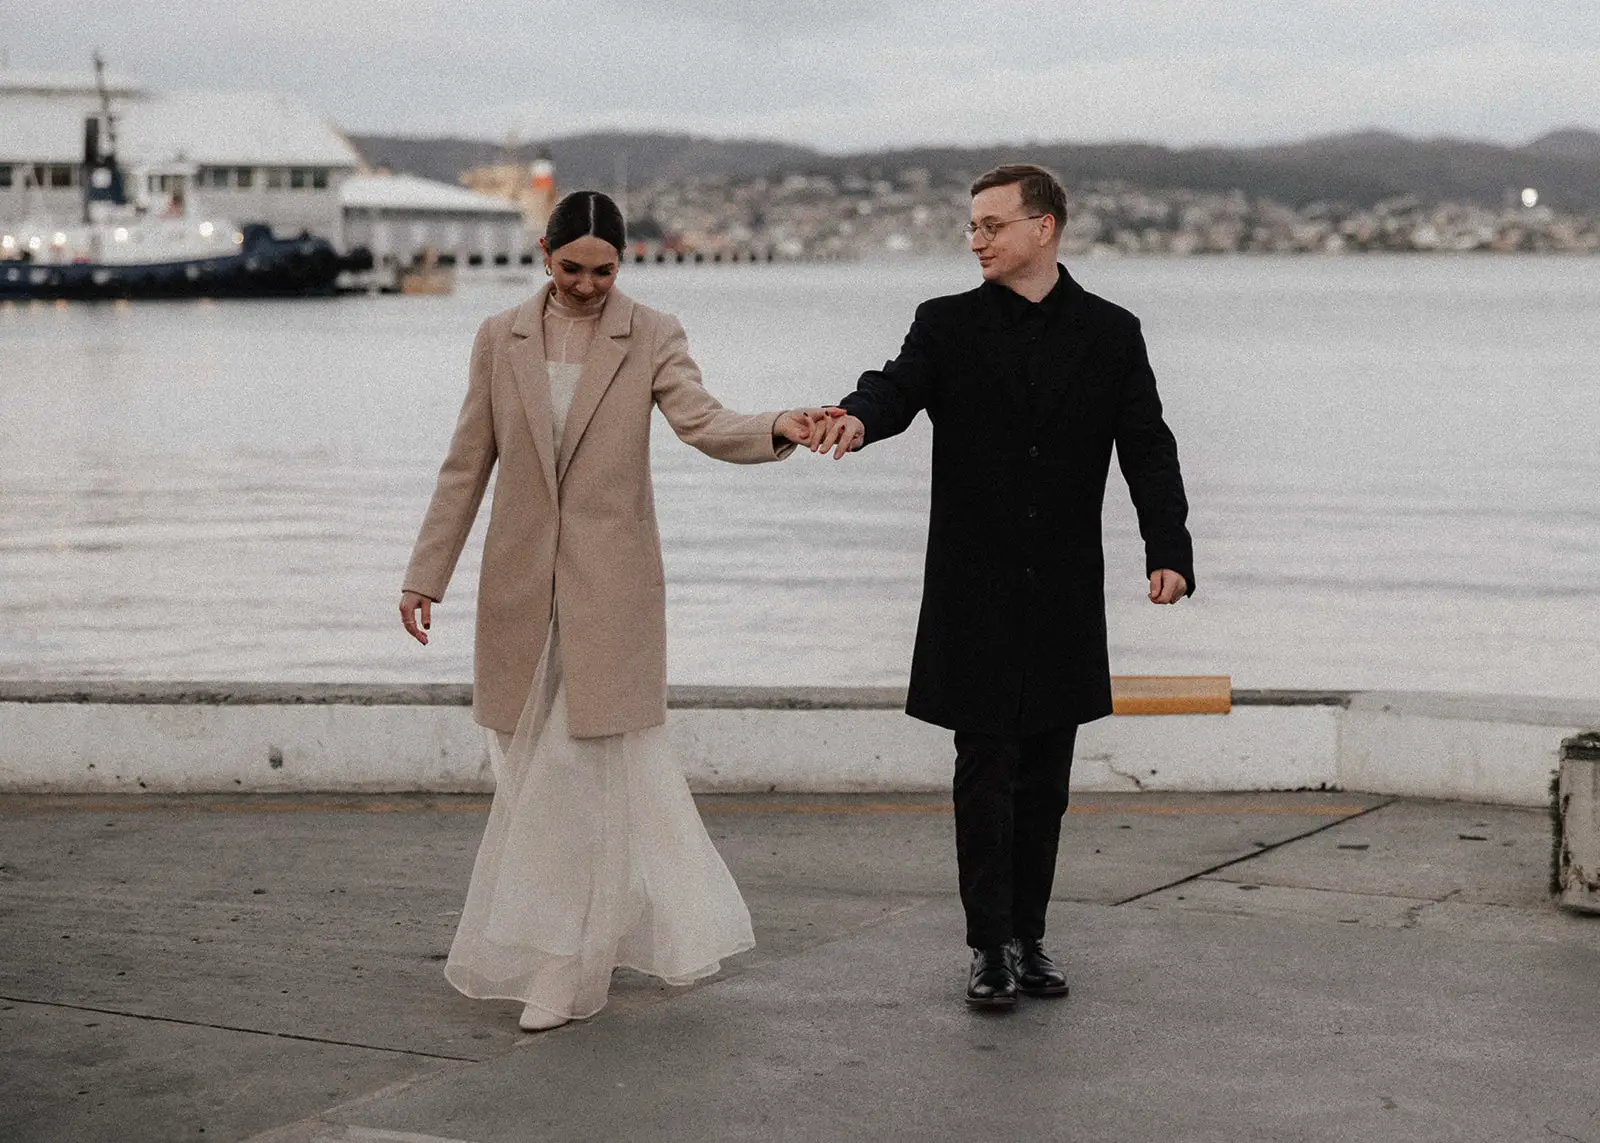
point(700, 419)
point(463, 478)
point(887, 400)
point(1148, 455)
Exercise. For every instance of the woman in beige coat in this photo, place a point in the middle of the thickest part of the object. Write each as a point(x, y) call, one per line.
point(594, 855)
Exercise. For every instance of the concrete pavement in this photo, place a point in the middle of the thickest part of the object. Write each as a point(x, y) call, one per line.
point(1314, 966)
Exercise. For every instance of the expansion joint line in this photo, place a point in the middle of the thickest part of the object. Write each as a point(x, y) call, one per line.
point(236, 1028)
point(1252, 856)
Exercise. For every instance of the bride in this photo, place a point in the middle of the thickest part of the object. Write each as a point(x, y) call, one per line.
point(594, 856)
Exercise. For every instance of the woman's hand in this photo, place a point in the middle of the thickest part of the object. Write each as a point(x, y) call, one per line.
point(798, 425)
point(410, 602)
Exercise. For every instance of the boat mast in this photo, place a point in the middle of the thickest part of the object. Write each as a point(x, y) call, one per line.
point(105, 106)
point(102, 177)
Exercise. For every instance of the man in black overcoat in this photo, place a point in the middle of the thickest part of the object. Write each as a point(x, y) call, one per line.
point(1029, 381)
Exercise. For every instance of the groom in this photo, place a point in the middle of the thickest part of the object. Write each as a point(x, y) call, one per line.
point(1029, 381)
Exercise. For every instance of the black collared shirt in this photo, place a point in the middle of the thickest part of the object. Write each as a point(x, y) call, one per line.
point(1016, 310)
point(1019, 365)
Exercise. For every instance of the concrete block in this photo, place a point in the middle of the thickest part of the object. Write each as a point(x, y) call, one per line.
point(810, 751)
point(1578, 804)
point(94, 747)
point(1476, 748)
point(1251, 748)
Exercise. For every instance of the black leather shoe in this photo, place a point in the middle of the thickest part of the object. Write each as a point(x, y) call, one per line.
point(1037, 974)
point(994, 978)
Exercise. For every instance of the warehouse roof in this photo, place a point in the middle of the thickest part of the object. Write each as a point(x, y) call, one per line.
point(408, 192)
point(41, 120)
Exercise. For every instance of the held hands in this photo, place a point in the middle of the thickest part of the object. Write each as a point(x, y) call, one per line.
point(410, 603)
point(797, 426)
point(1167, 586)
point(820, 430)
point(838, 431)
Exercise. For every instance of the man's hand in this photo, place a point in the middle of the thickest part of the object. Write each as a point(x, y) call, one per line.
point(1167, 586)
point(840, 432)
point(410, 603)
point(799, 426)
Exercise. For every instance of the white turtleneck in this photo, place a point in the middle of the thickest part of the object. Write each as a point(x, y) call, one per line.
point(568, 334)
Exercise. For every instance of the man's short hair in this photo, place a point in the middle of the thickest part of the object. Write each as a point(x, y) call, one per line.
point(1041, 190)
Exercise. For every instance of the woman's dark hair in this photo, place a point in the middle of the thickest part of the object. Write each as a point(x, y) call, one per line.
point(585, 212)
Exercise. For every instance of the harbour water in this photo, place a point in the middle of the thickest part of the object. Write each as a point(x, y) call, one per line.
point(1393, 466)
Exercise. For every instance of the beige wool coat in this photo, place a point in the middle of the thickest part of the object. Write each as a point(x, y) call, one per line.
point(573, 532)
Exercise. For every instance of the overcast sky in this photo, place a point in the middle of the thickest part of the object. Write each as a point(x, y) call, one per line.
point(847, 75)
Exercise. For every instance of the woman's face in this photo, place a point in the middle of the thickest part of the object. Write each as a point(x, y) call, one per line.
point(584, 270)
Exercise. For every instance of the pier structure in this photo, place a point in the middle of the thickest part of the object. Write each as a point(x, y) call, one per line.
point(109, 737)
point(1322, 967)
point(1322, 916)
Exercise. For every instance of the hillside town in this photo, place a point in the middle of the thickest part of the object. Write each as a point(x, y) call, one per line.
point(822, 216)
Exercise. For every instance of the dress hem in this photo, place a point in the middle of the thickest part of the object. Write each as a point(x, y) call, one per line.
point(676, 980)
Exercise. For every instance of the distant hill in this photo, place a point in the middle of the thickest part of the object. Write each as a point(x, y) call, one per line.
point(1356, 169)
point(1573, 143)
point(590, 160)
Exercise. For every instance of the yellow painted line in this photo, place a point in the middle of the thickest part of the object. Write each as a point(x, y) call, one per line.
point(478, 806)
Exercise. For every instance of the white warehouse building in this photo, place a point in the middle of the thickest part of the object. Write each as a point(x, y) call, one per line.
point(401, 218)
point(249, 156)
point(245, 156)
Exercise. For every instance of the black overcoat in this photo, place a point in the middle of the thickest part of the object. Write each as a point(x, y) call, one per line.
point(1012, 633)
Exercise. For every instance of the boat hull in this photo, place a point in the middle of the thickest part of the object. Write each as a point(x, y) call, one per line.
point(264, 267)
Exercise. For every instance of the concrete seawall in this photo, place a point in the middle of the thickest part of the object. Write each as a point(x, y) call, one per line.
point(99, 737)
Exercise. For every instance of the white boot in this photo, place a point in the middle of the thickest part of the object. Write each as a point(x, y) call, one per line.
point(536, 1019)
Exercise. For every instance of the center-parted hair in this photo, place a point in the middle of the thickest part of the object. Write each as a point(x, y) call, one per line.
point(1041, 190)
point(582, 213)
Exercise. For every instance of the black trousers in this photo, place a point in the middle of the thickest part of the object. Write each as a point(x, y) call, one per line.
point(1010, 795)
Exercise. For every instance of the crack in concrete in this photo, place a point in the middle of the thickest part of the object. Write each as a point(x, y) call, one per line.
point(1232, 861)
point(237, 1028)
point(1134, 778)
point(1413, 915)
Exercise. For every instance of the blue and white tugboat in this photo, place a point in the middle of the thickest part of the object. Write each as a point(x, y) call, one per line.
point(122, 250)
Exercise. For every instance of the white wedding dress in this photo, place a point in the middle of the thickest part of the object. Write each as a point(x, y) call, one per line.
point(595, 856)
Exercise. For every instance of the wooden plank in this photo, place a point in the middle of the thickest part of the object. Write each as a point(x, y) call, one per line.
point(1171, 694)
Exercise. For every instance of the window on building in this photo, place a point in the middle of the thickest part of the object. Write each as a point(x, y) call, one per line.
point(61, 175)
point(319, 178)
point(244, 177)
point(274, 178)
point(297, 178)
point(214, 176)
point(5, 174)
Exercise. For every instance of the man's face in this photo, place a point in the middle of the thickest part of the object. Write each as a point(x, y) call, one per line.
point(1017, 247)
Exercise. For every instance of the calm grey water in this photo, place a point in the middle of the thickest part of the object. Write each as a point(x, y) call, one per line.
point(1393, 465)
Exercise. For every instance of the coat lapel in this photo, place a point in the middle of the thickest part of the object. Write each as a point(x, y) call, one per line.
point(599, 370)
point(1069, 338)
point(533, 381)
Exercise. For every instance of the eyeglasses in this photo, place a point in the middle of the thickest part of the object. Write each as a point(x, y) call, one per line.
point(989, 228)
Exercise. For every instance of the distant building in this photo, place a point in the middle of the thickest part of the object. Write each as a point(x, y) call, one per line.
point(248, 156)
point(401, 218)
point(531, 186)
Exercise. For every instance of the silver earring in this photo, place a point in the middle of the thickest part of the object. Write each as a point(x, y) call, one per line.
point(547, 271)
